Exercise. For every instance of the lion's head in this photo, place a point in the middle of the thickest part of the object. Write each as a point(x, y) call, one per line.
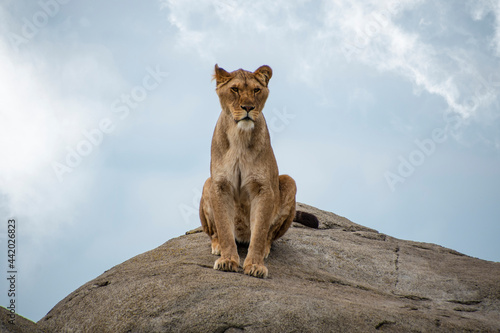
point(243, 93)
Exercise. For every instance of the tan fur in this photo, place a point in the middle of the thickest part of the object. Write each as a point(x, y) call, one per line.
point(245, 199)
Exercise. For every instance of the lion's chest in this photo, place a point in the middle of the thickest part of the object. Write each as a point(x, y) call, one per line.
point(239, 170)
point(239, 163)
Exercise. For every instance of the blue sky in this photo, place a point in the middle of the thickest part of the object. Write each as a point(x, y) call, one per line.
point(386, 112)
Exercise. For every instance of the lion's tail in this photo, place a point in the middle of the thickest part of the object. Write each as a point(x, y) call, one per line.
point(307, 219)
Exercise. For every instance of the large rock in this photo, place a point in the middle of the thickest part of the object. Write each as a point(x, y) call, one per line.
point(342, 277)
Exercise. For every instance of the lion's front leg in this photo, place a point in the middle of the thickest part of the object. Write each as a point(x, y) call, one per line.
point(260, 221)
point(222, 207)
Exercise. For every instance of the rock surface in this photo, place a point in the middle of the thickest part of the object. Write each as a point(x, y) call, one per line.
point(342, 277)
point(19, 325)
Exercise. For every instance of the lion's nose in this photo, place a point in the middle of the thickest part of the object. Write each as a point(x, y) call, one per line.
point(247, 108)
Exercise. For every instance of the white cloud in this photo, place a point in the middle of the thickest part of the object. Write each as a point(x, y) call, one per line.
point(225, 28)
point(374, 33)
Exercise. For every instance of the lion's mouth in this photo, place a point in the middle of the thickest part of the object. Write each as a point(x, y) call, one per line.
point(246, 118)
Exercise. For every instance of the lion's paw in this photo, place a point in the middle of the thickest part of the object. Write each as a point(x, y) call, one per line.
point(225, 264)
point(256, 270)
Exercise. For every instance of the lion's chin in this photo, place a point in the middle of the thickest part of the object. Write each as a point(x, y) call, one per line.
point(246, 124)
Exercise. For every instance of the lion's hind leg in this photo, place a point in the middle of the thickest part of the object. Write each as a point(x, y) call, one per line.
point(286, 213)
point(207, 218)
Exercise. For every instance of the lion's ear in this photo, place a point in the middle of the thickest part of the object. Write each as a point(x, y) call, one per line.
point(221, 75)
point(265, 72)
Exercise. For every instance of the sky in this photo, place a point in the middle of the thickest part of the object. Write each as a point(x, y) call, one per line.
point(385, 112)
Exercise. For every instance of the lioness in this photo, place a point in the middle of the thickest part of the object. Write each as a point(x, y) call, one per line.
point(245, 199)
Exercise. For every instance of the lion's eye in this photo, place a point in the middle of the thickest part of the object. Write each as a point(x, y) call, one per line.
point(234, 89)
point(256, 90)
